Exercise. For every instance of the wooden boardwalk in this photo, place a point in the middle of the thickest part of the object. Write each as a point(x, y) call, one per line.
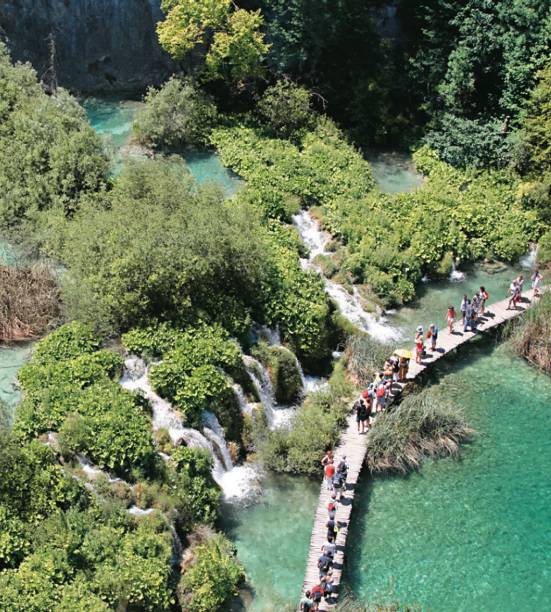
point(354, 446)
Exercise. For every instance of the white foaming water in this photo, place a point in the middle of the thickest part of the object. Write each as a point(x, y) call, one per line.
point(245, 406)
point(234, 481)
point(164, 416)
point(350, 305)
point(93, 472)
point(456, 276)
point(314, 383)
point(276, 415)
point(135, 511)
point(263, 332)
point(528, 261)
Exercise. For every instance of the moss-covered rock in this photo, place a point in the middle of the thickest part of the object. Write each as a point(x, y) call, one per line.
point(284, 371)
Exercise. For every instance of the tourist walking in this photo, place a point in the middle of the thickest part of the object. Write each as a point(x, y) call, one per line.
point(328, 587)
point(536, 281)
point(404, 367)
point(316, 594)
point(468, 315)
point(419, 344)
point(329, 472)
point(338, 484)
point(463, 309)
point(432, 335)
point(307, 603)
point(327, 458)
point(451, 318)
point(514, 291)
point(483, 296)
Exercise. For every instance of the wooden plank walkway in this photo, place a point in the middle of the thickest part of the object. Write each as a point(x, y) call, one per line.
point(354, 446)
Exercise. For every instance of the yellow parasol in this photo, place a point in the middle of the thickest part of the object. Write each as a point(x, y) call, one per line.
point(404, 353)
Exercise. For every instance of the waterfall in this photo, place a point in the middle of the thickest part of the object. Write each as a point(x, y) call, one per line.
point(528, 261)
point(164, 416)
point(350, 305)
point(93, 472)
point(310, 384)
point(215, 434)
point(456, 276)
point(277, 416)
point(235, 481)
point(245, 406)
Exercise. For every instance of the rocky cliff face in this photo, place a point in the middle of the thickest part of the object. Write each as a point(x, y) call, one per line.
point(101, 45)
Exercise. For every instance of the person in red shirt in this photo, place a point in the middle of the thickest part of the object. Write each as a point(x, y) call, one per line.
point(329, 472)
point(316, 593)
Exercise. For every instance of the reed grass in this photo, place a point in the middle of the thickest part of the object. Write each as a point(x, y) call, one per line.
point(365, 356)
point(423, 425)
point(29, 303)
point(530, 335)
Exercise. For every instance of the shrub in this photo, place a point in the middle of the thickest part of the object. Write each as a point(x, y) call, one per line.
point(178, 114)
point(470, 142)
point(544, 250)
point(285, 106)
point(212, 576)
point(365, 357)
point(70, 340)
point(422, 425)
point(315, 428)
point(50, 157)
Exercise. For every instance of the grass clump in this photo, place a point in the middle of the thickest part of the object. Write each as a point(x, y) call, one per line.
point(423, 425)
point(530, 336)
point(365, 357)
point(29, 303)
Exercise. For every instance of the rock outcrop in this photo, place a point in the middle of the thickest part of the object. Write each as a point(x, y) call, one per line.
point(101, 45)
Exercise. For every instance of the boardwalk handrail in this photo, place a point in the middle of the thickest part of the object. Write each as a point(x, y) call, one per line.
point(354, 447)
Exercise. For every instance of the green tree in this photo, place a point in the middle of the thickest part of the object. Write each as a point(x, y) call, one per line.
point(232, 36)
point(286, 107)
point(178, 114)
point(49, 155)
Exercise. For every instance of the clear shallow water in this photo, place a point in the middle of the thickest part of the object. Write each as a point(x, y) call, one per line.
point(471, 534)
point(394, 171)
point(113, 118)
point(453, 535)
point(431, 305)
point(272, 539)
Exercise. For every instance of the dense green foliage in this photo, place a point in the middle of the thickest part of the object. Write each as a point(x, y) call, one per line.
point(69, 388)
point(92, 560)
point(422, 425)
point(49, 156)
point(315, 428)
point(478, 58)
point(229, 37)
point(212, 576)
point(178, 114)
point(389, 240)
point(286, 107)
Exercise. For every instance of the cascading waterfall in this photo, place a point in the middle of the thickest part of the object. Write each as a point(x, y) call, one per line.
point(245, 406)
point(164, 416)
point(456, 276)
point(277, 416)
point(528, 261)
point(350, 305)
point(235, 481)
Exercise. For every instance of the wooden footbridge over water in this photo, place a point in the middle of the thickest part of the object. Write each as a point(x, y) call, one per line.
point(354, 445)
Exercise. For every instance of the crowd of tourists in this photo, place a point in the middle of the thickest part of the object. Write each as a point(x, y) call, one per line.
point(335, 474)
point(374, 400)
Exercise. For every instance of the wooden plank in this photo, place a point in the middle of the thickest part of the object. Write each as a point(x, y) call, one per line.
point(354, 445)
